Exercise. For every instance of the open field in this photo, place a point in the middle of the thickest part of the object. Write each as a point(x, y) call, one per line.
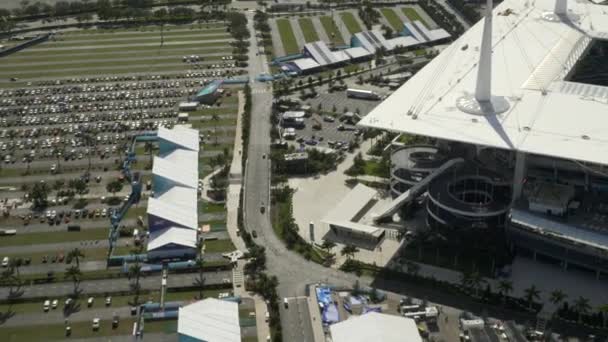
point(412, 15)
point(308, 30)
point(54, 237)
point(350, 22)
point(332, 30)
point(290, 44)
point(218, 246)
point(392, 18)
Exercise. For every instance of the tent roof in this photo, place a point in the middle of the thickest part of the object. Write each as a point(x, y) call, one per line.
point(173, 235)
point(210, 320)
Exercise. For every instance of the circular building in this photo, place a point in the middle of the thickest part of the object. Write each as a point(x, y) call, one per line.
point(411, 164)
point(468, 201)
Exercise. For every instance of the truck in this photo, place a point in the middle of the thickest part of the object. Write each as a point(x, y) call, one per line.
point(362, 94)
point(188, 106)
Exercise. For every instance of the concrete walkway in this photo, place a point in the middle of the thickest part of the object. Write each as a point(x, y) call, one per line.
point(234, 188)
point(263, 329)
point(277, 43)
point(207, 185)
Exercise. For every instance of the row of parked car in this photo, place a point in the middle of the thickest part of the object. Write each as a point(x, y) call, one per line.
point(52, 304)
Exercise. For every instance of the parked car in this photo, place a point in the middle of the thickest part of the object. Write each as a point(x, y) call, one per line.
point(46, 305)
point(54, 304)
point(96, 323)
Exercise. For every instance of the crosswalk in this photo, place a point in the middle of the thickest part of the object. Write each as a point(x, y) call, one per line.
point(258, 90)
point(237, 277)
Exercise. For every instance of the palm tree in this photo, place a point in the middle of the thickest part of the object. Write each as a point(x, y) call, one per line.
point(148, 148)
point(531, 294)
point(328, 245)
point(505, 287)
point(215, 118)
point(582, 307)
point(200, 280)
point(135, 272)
point(75, 254)
point(557, 297)
point(73, 273)
point(349, 251)
point(604, 312)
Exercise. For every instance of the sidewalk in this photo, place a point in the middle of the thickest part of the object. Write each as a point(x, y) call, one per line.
point(263, 330)
point(234, 188)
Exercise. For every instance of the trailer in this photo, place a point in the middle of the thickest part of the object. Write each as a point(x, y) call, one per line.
point(362, 94)
point(188, 106)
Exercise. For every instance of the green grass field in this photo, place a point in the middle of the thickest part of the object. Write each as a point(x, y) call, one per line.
point(290, 45)
point(412, 15)
point(151, 28)
point(137, 34)
point(332, 30)
point(54, 237)
point(218, 246)
point(308, 30)
point(392, 18)
point(145, 40)
point(350, 22)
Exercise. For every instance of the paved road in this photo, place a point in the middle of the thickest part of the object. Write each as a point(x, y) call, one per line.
point(116, 285)
point(297, 318)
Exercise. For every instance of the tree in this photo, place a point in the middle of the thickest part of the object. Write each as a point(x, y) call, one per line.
point(73, 273)
point(135, 273)
point(505, 287)
point(531, 294)
point(75, 254)
point(114, 186)
point(79, 185)
point(582, 307)
point(349, 251)
point(58, 184)
point(557, 297)
point(148, 148)
point(328, 245)
point(39, 195)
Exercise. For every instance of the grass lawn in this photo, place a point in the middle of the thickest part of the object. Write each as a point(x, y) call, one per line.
point(351, 23)
point(49, 332)
point(374, 168)
point(218, 147)
point(167, 327)
point(308, 30)
point(109, 40)
point(90, 254)
point(332, 30)
point(412, 15)
point(145, 34)
point(150, 28)
point(133, 212)
point(212, 123)
point(290, 44)
point(209, 208)
point(392, 18)
point(215, 110)
point(54, 237)
point(218, 246)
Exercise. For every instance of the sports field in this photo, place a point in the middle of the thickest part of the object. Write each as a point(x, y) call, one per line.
point(332, 30)
point(290, 44)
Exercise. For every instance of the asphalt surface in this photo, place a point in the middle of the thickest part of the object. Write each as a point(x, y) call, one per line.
point(296, 318)
point(116, 285)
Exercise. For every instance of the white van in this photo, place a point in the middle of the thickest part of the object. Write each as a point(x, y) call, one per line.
point(5, 262)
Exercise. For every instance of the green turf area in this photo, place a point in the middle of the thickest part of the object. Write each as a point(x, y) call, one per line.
point(420, 52)
point(392, 18)
point(210, 208)
point(290, 44)
point(61, 62)
point(332, 30)
point(151, 28)
point(134, 212)
point(130, 42)
point(308, 30)
point(218, 246)
point(103, 34)
point(167, 327)
point(412, 15)
point(54, 237)
point(350, 22)
point(50, 73)
point(218, 147)
point(215, 110)
point(52, 332)
point(214, 123)
point(90, 254)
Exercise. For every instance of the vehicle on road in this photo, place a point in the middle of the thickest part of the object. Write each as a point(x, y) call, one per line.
point(96, 322)
point(285, 303)
point(90, 301)
point(362, 94)
point(108, 300)
point(254, 233)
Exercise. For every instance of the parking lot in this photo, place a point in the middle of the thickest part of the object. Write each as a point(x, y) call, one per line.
point(69, 110)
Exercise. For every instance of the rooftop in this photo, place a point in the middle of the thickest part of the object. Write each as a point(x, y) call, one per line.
point(175, 235)
point(346, 213)
point(374, 326)
point(210, 320)
point(531, 61)
point(184, 137)
point(209, 88)
point(179, 195)
point(183, 159)
point(170, 171)
point(182, 216)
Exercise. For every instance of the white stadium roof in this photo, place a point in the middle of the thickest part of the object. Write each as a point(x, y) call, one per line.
point(322, 54)
point(181, 136)
point(171, 171)
point(181, 216)
point(210, 320)
point(173, 235)
point(374, 326)
point(531, 58)
point(373, 40)
point(306, 63)
point(357, 52)
point(355, 201)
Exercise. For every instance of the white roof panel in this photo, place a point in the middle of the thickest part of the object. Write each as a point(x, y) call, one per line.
point(210, 320)
point(181, 216)
point(174, 235)
point(181, 136)
point(305, 63)
point(171, 171)
point(531, 57)
point(357, 52)
point(179, 195)
point(403, 41)
point(345, 211)
point(374, 326)
point(184, 159)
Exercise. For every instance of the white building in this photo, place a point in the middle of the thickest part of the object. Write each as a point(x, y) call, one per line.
point(375, 326)
point(209, 320)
